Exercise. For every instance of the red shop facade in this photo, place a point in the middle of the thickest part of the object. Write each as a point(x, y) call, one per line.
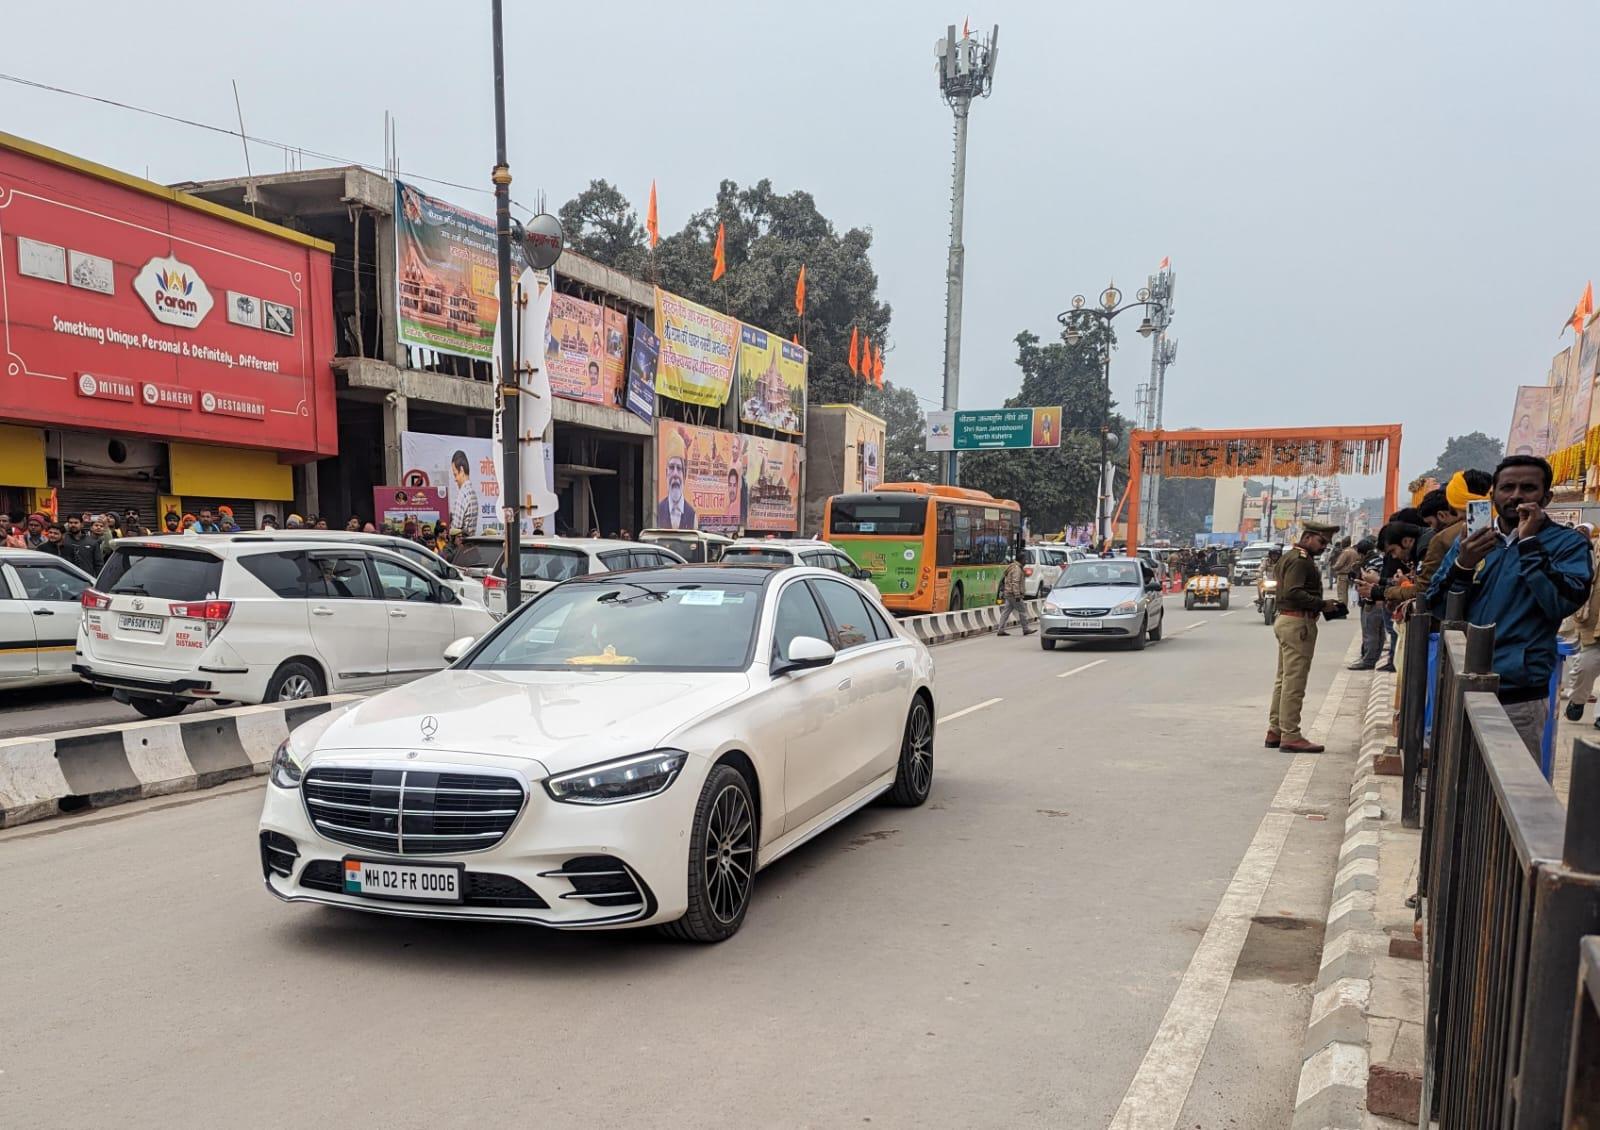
point(156, 350)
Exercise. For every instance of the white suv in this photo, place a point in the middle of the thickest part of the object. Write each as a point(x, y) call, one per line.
point(175, 620)
point(799, 551)
point(546, 562)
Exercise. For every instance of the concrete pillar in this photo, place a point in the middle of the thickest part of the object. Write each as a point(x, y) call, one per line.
point(307, 493)
point(395, 420)
point(388, 293)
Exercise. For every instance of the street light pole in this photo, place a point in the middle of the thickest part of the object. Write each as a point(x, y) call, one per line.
point(1073, 322)
point(510, 406)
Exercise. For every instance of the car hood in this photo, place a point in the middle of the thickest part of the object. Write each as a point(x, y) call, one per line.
point(1094, 596)
point(560, 719)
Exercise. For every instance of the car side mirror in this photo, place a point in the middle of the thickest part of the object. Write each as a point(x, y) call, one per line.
point(458, 648)
point(448, 595)
point(805, 652)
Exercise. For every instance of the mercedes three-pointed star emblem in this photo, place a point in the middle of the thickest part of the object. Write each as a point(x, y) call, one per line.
point(430, 727)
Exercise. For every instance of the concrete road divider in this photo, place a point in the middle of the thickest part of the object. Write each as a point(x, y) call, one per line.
point(45, 775)
point(942, 627)
point(48, 774)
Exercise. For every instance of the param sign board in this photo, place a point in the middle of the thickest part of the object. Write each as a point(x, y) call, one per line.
point(994, 428)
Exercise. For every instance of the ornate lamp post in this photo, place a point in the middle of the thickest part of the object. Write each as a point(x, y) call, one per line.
point(1075, 321)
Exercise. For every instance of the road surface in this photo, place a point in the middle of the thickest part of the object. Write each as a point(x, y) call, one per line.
point(1018, 953)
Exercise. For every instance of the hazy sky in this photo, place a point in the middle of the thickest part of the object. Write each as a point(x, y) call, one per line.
point(1377, 212)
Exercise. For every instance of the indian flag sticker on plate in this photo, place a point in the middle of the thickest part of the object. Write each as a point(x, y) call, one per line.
point(352, 877)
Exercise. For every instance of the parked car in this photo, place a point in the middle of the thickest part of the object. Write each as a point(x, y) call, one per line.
point(170, 621)
point(469, 588)
point(696, 546)
point(1110, 598)
point(800, 551)
point(616, 753)
point(40, 598)
point(1041, 565)
point(546, 562)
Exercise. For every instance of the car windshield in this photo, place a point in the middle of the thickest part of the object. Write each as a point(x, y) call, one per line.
point(548, 563)
point(757, 555)
point(1081, 573)
point(477, 554)
point(1254, 553)
point(690, 549)
point(657, 625)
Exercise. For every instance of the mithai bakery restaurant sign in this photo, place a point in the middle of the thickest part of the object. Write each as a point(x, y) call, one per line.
point(131, 308)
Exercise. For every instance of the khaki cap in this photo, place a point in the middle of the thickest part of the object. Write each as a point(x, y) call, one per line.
point(1322, 528)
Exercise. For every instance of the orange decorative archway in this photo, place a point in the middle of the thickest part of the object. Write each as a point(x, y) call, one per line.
point(1213, 453)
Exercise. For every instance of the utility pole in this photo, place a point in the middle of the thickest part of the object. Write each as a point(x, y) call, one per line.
point(966, 71)
point(510, 406)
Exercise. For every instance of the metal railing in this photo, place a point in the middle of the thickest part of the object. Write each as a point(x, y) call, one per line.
point(1510, 886)
point(1583, 1065)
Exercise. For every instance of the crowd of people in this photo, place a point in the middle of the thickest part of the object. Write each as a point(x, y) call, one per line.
point(1527, 575)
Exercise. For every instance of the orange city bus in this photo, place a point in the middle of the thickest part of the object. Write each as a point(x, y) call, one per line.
point(929, 548)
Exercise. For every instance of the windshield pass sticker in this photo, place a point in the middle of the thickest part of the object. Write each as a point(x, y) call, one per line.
point(702, 596)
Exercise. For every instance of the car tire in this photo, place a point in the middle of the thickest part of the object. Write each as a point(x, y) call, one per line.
point(1224, 604)
point(957, 599)
point(1155, 632)
point(293, 680)
point(1143, 637)
point(1188, 602)
point(716, 909)
point(1047, 644)
point(913, 774)
point(159, 707)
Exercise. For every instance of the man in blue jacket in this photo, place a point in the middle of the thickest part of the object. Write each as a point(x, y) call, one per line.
point(1524, 574)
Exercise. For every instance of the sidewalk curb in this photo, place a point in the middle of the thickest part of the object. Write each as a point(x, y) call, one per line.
point(1333, 1073)
point(50, 774)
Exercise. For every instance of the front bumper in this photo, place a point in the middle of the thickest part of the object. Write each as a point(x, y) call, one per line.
point(535, 874)
point(1058, 626)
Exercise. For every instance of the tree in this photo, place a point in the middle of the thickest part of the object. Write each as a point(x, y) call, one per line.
point(769, 235)
point(906, 457)
point(1473, 450)
point(1057, 486)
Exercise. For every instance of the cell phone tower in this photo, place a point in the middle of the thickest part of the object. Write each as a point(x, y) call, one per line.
point(966, 71)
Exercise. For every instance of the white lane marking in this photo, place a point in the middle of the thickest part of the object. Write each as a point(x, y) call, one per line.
point(1160, 1088)
point(1228, 613)
point(968, 710)
point(1085, 667)
point(1191, 627)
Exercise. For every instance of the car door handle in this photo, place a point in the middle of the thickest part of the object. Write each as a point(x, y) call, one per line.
point(397, 614)
point(844, 684)
point(900, 666)
point(321, 610)
point(44, 612)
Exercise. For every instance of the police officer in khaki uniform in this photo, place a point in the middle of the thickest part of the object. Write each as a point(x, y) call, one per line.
point(1300, 606)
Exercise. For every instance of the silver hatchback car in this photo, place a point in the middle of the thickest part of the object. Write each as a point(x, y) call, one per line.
point(1104, 598)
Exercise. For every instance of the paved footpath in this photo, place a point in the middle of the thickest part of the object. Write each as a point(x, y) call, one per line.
point(1110, 910)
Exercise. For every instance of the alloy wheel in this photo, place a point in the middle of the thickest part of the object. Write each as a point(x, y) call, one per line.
point(729, 854)
point(295, 686)
point(919, 741)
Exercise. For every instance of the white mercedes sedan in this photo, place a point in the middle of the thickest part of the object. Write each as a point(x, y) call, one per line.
point(627, 749)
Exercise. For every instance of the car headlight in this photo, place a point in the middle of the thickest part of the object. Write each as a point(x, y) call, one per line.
point(1051, 608)
point(615, 781)
point(1222, 582)
point(285, 771)
point(1126, 608)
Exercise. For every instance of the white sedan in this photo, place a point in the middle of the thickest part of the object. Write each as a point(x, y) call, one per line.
point(39, 613)
point(627, 749)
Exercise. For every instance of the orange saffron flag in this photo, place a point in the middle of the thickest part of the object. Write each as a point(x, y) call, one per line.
point(719, 264)
point(866, 358)
point(651, 223)
point(800, 292)
point(855, 366)
point(877, 367)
